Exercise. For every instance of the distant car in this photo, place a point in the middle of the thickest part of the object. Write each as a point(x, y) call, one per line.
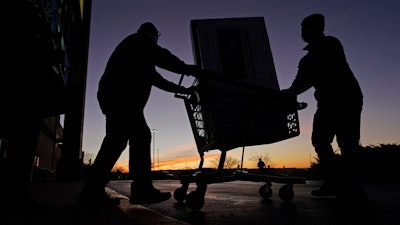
point(162, 175)
point(240, 171)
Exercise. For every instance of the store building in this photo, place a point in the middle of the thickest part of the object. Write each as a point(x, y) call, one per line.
point(59, 148)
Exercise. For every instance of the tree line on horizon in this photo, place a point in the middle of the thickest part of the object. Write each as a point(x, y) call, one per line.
point(376, 161)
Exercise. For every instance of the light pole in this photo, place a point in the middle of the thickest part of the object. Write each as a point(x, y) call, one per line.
point(158, 158)
point(153, 131)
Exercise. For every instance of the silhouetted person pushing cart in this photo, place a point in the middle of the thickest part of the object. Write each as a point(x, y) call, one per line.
point(338, 113)
point(123, 92)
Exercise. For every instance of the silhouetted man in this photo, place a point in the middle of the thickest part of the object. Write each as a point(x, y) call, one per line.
point(123, 92)
point(261, 166)
point(339, 105)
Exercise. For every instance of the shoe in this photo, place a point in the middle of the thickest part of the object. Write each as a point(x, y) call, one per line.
point(103, 200)
point(151, 196)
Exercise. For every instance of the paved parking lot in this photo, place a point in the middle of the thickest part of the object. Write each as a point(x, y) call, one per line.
point(238, 202)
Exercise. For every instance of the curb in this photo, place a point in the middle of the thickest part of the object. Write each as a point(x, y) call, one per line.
point(142, 215)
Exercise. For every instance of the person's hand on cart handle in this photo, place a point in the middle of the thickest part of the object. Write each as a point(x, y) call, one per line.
point(290, 99)
point(186, 92)
point(301, 105)
point(190, 90)
point(197, 71)
point(193, 70)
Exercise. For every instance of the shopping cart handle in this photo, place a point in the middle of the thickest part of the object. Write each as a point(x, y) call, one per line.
point(181, 96)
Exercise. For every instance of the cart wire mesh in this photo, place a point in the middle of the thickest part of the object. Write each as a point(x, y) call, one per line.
point(227, 113)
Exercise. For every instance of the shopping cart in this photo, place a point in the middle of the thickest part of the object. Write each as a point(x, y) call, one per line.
point(227, 113)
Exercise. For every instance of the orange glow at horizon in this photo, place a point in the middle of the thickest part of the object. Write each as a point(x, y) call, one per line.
point(190, 162)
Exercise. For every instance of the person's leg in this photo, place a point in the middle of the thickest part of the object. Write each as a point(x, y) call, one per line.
point(114, 143)
point(348, 138)
point(322, 138)
point(140, 161)
point(142, 189)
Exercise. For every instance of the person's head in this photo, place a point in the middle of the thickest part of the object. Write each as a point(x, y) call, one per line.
point(150, 30)
point(312, 27)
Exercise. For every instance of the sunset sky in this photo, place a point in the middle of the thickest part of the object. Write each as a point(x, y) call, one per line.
point(369, 31)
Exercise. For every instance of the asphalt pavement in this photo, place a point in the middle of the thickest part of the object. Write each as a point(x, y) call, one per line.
point(230, 203)
point(64, 211)
point(239, 203)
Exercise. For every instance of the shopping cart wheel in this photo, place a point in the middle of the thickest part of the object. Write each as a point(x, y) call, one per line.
point(180, 194)
point(286, 193)
point(265, 191)
point(195, 200)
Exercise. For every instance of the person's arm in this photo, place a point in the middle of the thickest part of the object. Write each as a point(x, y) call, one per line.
point(169, 86)
point(166, 60)
point(302, 81)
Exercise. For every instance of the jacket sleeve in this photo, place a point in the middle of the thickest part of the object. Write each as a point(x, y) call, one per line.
point(303, 80)
point(166, 60)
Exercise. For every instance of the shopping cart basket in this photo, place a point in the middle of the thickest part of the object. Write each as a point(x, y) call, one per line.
point(227, 113)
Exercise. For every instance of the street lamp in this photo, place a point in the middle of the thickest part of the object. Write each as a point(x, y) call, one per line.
point(153, 131)
point(158, 158)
